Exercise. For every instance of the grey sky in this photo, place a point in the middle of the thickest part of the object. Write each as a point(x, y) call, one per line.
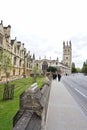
point(43, 25)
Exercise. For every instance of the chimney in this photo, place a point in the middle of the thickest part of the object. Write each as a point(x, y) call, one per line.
point(2, 22)
point(70, 43)
point(63, 44)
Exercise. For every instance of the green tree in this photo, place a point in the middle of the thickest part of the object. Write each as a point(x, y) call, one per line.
point(84, 68)
point(6, 63)
point(74, 70)
point(6, 66)
point(52, 69)
point(36, 72)
point(78, 70)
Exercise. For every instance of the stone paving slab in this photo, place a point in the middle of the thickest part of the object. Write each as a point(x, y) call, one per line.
point(63, 111)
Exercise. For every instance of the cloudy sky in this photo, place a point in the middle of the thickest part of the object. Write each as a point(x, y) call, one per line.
point(43, 25)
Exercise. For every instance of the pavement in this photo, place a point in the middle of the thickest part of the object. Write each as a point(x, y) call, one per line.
point(63, 111)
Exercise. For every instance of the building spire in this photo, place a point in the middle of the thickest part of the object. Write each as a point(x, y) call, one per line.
point(70, 43)
point(33, 56)
point(2, 22)
point(63, 43)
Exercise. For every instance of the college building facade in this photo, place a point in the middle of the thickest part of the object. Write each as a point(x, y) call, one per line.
point(64, 67)
point(21, 59)
point(23, 62)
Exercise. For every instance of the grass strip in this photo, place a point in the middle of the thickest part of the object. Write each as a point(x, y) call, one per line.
point(9, 108)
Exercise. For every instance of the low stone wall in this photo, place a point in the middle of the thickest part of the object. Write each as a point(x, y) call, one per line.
point(45, 99)
point(33, 108)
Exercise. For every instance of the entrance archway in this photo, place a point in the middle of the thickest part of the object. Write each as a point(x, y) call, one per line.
point(44, 66)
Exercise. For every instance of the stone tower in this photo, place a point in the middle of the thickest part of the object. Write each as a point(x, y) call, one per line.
point(67, 53)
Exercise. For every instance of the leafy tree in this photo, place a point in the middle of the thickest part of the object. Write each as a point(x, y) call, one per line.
point(52, 69)
point(36, 72)
point(78, 70)
point(84, 68)
point(74, 70)
point(6, 66)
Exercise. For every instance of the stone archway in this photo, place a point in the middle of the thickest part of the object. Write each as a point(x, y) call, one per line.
point(45, 66)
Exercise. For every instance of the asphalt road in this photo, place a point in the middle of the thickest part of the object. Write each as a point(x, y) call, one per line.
point(77, 86)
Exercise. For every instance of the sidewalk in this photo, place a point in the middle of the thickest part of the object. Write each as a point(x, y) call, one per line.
point(63, 111)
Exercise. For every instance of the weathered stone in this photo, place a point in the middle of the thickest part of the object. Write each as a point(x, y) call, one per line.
point(24, 120)
point(33, 108)
point(30, 99)
point(35, 123)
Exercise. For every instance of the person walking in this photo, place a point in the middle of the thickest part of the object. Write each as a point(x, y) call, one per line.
point(59, 77)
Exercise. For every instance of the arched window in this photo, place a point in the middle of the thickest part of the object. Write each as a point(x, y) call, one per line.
point(14, 49)
point(66, 64)
point(37, 65)
point(44, 66)
point(20, 62)
point(15, 60)
point(0, 41)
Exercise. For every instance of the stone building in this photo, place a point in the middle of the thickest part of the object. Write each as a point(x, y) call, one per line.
point(67, 53)
point(21, 59)
point(43, 64)
point(64, 66)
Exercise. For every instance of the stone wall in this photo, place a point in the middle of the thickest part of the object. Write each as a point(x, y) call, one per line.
point(33, 108)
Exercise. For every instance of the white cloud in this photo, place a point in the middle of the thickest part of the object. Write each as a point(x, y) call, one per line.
point(43, 25)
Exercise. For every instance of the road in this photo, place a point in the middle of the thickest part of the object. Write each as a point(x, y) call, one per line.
point(77, 86)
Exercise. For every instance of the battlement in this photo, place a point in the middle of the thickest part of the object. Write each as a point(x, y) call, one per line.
point(67, 44)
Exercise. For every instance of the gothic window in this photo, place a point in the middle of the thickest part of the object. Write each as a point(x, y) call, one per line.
point(56, 63)
point(27, 65)
point(37, 65)
point(0, 41)
point(20, 53)
point(15, 50)
point(15, 60)
point(19, 71)
point(65, 50)
point(18, 50)
point(13, 71)
point(44, 66)
point(67, 64)
point(20, 63)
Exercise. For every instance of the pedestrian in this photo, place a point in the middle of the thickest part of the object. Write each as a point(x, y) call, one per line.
point(54, 76)
point(66, 74)
point(59, 77)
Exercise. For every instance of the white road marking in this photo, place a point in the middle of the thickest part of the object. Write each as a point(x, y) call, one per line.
point(80, 92)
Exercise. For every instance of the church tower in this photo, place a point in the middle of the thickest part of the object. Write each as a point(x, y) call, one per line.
point(67, 54)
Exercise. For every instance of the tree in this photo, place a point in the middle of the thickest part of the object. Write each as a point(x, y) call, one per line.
point(84, 68)
point(6, 66)
point(74, 70)
point(36, 72)
point(52, 69)
point(78, 70)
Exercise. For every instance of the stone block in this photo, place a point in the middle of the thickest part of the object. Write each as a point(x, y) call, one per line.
point(30, 99)
point(33, 108)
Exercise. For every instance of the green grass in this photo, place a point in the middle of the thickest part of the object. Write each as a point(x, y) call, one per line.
point(9, 108)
